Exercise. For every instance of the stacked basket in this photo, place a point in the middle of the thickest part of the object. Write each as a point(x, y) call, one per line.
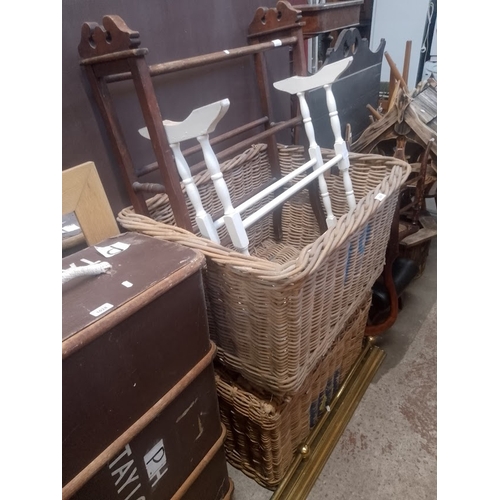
point(289, 319)
point(264, 431)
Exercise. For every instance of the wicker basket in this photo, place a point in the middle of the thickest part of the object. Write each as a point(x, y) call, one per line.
point(264, 432)
point(419, 253)
point(275, 313)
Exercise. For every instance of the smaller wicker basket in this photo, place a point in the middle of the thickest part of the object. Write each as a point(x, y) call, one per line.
point(265, 431)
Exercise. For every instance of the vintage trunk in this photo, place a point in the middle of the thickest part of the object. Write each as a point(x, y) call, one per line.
point(140, 411)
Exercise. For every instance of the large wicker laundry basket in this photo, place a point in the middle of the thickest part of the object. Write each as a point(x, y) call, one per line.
point(275, 313)
point(264, 432)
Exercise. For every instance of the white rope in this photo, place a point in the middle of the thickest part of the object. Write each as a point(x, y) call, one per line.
point(90, 270)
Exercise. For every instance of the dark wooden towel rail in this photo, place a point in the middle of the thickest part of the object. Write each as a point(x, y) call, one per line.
point(110, 53)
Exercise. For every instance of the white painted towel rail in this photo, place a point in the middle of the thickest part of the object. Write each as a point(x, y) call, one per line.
point(202, 121)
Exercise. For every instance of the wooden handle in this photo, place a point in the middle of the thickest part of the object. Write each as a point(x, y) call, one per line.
point(374, 112)
point(406, 63)
point(394, 95)
point(395, 70)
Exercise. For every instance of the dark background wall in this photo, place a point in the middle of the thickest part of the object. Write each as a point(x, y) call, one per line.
point(170, 30)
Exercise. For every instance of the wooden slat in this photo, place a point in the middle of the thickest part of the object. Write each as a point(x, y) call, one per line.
point(420, 236)
point(425, 104)
point(406, 63)
point(396, 72)
point(428, 222)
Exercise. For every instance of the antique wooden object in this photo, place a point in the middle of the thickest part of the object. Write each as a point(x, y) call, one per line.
point(400, 268)
point(409, 131)
point(140, 414)
point(84, 195)
point(398, 273)
point(327, 17)
point(415, 187)
point(417, 229)
point(412, 118)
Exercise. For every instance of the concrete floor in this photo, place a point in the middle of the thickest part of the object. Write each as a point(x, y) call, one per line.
point(388, 450)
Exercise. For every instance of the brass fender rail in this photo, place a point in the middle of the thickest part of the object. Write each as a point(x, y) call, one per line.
point(321, 442)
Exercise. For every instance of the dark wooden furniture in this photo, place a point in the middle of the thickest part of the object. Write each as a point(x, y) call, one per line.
point(140, 411)
point(330, 16)
point(106, 63)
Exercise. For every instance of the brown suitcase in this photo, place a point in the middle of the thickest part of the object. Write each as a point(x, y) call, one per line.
point(140, 411)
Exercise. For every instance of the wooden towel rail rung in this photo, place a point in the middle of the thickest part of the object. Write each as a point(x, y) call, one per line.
point(204, 60)
point(148, 187)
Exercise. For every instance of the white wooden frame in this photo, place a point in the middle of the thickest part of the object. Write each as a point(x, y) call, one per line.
point(202, 121)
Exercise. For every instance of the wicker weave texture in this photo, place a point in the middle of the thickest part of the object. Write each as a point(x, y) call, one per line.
point(419, 253)
point(264, 432)
point(275, 313)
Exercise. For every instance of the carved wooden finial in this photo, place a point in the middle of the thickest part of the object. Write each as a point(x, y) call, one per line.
point(349, 41)
point(113, 36)
point(283, 16)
